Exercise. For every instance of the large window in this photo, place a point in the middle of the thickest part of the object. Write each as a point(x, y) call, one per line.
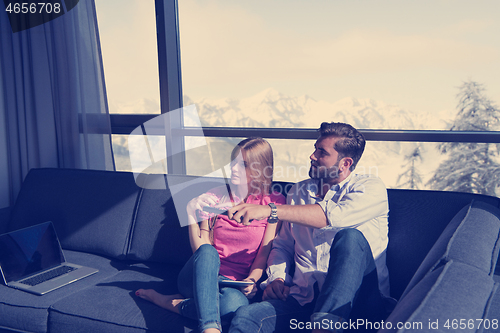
point(396, 70)
point(378, 65)
point(385, 64)
point(127, 30)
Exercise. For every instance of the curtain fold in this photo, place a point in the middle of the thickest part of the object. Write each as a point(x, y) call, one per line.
point(53, 104)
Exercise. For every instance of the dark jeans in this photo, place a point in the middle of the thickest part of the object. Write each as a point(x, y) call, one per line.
point(351, 276)
point(198, 281)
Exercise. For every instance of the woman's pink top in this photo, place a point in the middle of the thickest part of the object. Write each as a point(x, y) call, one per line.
point(238, 244)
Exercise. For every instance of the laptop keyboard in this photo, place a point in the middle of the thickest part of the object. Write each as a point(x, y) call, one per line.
point(37, 279)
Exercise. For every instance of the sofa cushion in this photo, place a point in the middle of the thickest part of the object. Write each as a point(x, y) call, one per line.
point(416, 220)
point(471, 237)
point(16, 306)
point(444, 294)
point(92, 211)
point(111, 306)
point(157, 234)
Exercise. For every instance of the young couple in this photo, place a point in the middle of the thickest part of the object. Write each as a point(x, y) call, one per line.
point(334, 234)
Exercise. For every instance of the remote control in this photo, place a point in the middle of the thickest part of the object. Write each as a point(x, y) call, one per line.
point(215, 210)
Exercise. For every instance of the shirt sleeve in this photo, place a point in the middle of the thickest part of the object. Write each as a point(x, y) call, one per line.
point(364, 200)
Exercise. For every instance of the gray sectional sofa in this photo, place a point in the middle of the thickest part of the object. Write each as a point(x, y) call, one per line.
point(443, 248)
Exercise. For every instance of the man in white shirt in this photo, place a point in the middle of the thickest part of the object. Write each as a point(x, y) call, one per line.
point(334, 234)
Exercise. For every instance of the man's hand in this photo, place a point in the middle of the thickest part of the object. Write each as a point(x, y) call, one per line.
point(244, 213)
point(276, 290)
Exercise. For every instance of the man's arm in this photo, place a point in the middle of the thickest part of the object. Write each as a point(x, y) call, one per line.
point(308, 215)
point(364, 200)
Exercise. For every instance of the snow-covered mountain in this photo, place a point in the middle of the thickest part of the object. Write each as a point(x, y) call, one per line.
point(271, 108)
point(143, 105)
point(266, 109)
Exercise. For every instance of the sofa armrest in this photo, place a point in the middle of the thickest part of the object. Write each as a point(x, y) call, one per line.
point(455, 280)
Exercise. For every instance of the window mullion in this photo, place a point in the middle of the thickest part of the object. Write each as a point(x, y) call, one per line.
point(169, 66)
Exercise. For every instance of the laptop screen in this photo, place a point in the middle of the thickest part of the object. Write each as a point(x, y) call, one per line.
point(28, 251)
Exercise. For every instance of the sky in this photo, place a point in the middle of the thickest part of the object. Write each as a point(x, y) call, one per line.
point(411, 53)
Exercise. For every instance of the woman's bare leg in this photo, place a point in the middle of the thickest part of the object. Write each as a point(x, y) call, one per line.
point(169, 302)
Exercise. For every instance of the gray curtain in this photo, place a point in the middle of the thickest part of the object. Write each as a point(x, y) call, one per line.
point(53, 105)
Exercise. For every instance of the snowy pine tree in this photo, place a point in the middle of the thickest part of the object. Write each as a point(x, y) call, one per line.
point(411, 176)
point(470, 167)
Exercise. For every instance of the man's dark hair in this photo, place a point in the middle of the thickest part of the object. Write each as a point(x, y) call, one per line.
point(351, 143)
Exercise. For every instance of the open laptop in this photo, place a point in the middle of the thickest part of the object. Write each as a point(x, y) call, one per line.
point(31, 259)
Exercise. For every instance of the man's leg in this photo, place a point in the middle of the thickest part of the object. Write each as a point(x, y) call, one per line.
point(270, 316)
point(351, 269)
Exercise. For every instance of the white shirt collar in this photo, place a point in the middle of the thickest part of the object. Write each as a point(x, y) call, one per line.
point(313, 188)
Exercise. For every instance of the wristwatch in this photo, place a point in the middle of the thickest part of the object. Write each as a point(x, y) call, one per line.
point(273, 218)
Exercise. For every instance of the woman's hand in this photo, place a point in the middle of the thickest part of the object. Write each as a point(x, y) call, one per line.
point(206, 199)
point(251, 290)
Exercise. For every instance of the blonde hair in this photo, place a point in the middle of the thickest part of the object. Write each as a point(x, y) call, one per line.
point(258, 156)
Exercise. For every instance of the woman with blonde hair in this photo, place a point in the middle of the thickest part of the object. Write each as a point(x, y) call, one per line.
point(225, 249)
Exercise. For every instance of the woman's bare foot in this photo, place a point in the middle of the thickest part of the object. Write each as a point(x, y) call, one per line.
point(211, 330)
point(169, 302)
